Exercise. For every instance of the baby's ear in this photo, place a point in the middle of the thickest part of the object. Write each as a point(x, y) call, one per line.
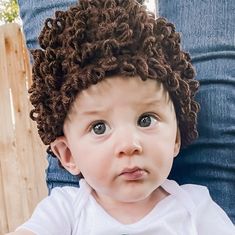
point(177, 143)
point(62, 151)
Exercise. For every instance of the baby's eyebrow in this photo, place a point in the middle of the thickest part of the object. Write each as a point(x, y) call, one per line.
point(154, 101)
point(150, 103)
point(93, 112)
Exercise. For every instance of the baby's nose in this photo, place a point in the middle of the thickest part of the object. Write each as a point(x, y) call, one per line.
point(128, 143)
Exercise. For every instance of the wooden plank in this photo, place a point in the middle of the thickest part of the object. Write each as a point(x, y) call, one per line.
point(3, 216)
point(8, 159)
point(22, 156)
point(38, 147)
point(19, 96)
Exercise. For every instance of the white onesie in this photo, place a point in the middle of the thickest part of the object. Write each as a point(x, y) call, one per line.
point(188, 210)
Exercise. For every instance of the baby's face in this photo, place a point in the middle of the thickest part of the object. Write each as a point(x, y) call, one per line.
point(122, 134)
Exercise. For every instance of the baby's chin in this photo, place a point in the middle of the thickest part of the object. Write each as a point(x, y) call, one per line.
point(138, 195)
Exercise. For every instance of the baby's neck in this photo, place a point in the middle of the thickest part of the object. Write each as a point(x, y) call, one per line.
point(129, 213)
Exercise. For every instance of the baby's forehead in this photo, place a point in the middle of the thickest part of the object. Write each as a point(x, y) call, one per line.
point(122, 91)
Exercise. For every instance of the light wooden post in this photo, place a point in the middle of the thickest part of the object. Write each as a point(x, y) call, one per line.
point(22, 155)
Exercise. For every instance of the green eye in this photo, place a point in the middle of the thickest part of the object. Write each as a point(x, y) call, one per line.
point(146, 120)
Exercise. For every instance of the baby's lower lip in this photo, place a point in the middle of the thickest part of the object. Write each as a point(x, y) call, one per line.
point(134, 175)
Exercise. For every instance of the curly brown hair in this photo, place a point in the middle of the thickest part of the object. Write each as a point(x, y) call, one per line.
point(97, 39)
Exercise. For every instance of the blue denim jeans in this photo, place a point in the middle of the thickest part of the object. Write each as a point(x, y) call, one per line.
point(208, 33)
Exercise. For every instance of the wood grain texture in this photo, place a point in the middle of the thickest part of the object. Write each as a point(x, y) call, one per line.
point(22, 154)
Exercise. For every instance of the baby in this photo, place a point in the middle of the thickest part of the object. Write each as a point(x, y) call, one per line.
point(113, 97)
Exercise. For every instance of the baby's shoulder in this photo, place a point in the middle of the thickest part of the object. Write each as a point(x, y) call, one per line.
point(198, 193)
point(73, 196)
point(60, 198)
point(195, 190)
point(67, 192)
point(206, 208)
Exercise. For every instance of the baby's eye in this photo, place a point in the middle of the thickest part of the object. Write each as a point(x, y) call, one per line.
point(99, 128)
point(147, 120)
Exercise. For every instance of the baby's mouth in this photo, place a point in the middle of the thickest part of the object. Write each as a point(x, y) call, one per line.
point(132, 174)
